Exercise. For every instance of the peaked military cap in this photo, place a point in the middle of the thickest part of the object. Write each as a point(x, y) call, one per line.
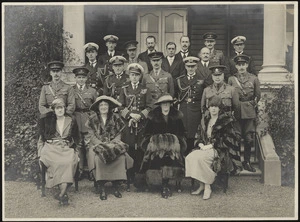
point(55, 65)
point(110, 38)
point(131, 44)
point(113, 102)
point(238, 40)
point(135, 68)
point(241, 58)
point(155, 55)
point(90, 46)
point(209, 35)
point(217, 70)
point(80, 71)
point(191, 60)
point(164, 99)
point(117, 60)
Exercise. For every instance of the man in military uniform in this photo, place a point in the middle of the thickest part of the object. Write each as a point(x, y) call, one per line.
point(116, 80)
point(216, 56)
point(158, 81)
point(85, 96)
point(56, 89)
point(96, 76)
point(184, 51)
point(150, 42)
point(248, 88)
point(53, 90)
point(191, 87)
point(136, 103)
point(227, 93)
point(173, 64)
point(131, 57)
point(238, 44)
point(111, 43)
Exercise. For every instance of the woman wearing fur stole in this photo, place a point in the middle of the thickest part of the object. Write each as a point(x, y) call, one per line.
point(164, 140)
point(59, 134)
point(215, 138)
point(107, 154)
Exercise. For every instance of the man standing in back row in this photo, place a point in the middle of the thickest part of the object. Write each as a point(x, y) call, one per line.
point(150, 42)
point(248, 88)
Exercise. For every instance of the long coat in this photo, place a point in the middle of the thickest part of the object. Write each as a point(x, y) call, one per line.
point(190, 95)
point(144, 57)
point(109, 132)
point(58, 152)
point(156, 124)
point(224, 139)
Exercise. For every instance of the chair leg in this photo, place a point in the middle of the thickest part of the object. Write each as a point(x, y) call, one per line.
point(43, 179)
point(76, 178)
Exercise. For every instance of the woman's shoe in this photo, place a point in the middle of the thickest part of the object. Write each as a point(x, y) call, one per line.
point(198, 191)
point(207, 193)
point(117, 194)
point(103, 194)
point(64, 200)
point(165, 193)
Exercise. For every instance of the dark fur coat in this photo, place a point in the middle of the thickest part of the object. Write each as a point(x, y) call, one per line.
point(156, 124)
point(226, 141)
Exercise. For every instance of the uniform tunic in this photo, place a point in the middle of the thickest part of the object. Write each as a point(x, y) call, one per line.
point(104, 62)
point(159, 84)
point(135, 101)
point(53, 91)
point(113, 85)
point(96, 77)
point(190, 94)
point(248, 89)
point(230, 99)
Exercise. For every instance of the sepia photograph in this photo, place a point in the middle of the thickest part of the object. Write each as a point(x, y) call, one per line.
point(150, 111)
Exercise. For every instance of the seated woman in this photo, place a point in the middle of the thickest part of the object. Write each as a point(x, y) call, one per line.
point(215, 138)
point(164, 140)
point(107, 154)
point(60, 135)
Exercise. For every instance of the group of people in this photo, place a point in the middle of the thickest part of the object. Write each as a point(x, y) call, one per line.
point(128, 114)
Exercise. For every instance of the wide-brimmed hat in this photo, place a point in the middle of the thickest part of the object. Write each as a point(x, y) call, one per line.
point(164, 99)
point(113, 102)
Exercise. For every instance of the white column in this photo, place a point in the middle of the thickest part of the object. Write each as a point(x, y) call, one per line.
point(273, 71)
point(74, 34)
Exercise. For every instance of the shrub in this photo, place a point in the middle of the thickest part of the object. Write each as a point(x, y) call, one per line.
point(281, 113)
point(33, 38)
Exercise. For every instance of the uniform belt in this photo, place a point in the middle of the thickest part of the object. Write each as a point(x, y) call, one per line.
point(82, 110)
point(52, 141)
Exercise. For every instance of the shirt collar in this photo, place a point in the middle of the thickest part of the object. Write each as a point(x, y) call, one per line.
point(239, 53)
point(151, 51)
point(79, 86)
point(111, 53)
point(137, 84)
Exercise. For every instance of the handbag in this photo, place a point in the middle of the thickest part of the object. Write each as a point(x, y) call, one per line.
point(216, 164)
point(109, 151)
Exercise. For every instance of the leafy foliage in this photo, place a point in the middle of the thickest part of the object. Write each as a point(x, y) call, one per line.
point(33, 38)
point(281, 125)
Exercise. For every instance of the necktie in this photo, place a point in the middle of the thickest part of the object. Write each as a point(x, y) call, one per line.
point(205, 64)
point(185, 53)
point(93, 64)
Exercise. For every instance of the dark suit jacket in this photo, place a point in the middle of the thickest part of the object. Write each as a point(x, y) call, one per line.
point(178, 55)
point(205, 73)
point(95, 78)
point(176, 69)
point(233, 70)
point(144, 57)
